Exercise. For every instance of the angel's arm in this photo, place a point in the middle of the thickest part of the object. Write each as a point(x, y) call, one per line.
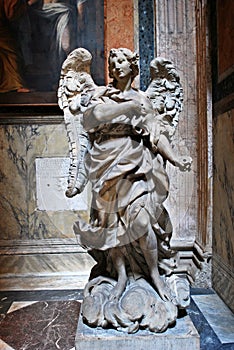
point(166, 151)
point(107, 111)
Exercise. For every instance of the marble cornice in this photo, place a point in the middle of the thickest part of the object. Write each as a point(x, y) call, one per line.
point(42, 246)
point(30, 114)
point(18, 119)
point(191, 257)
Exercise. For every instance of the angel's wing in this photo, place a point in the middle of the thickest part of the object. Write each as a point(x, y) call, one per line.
point(166, 94)
point(76, 87)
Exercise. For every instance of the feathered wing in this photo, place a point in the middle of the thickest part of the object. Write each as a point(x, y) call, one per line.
point(166, 94)
point(76, 87)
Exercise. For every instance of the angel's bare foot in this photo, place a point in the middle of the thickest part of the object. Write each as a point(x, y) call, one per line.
point(117, 291)
point(119, 264)
point(148, 244)
point(162, 289)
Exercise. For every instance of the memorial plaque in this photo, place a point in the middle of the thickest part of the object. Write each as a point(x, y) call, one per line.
point(51, 182)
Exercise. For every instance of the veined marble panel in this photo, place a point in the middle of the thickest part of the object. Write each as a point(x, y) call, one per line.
point(13, 182)
point(50, 282)
point(223, 214)
point(20, 216)
point(218, 315)
point(40, 325)
point(46, 264)
point(45, 271)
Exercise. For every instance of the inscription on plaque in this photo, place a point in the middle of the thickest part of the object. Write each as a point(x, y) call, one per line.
point(51, 182)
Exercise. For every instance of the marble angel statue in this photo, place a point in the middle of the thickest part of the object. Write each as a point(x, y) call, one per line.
point(120, 141)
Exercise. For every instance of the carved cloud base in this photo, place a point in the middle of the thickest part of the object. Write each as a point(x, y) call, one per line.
point(139, 307)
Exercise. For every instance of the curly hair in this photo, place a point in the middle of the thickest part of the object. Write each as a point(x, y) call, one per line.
point(132, 58)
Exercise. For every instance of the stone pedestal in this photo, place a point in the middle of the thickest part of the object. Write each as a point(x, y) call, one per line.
point(183, 336)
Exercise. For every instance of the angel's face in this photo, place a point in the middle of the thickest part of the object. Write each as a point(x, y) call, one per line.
point(120, 67)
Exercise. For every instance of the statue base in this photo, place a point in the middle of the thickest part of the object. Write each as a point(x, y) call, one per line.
point(182, 336)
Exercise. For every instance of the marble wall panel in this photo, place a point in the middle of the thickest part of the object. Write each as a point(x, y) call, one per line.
point(223, 216)
point(13, 182)
point(20, 215)
point(45, 271)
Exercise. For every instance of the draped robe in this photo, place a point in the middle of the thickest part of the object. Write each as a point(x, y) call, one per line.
point(126, 177)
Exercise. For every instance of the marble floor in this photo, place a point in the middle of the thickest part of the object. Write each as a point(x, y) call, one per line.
point(47, 320)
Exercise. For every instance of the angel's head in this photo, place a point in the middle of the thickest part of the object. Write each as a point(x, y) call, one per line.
point(126, 60)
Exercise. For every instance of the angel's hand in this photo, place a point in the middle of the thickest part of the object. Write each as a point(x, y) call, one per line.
point(143, 105)
point(71, 192)
point(154, 132)
point(85, 99)
point(74, 103)
point(139, 105)
point(184, 163)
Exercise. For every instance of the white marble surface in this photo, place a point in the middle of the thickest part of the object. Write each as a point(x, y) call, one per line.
point(51, 182)
point(218, 315)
